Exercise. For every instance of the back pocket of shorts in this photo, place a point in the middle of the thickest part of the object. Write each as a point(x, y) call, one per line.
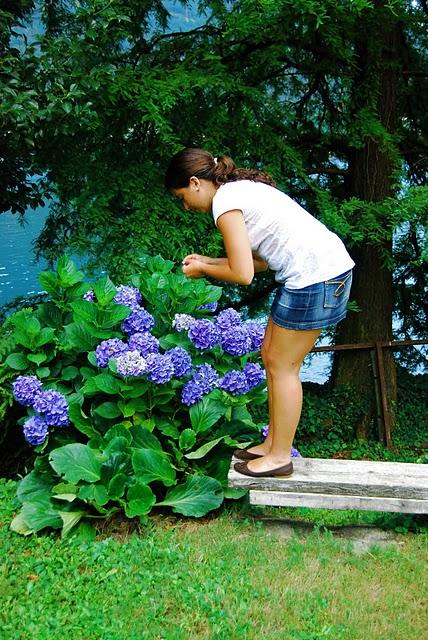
point(336, 292)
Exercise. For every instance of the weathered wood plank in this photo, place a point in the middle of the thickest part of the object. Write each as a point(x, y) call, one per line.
point(328, 501)
point(345, 477)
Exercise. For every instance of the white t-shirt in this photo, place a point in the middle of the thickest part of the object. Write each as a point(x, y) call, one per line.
point(297, 246)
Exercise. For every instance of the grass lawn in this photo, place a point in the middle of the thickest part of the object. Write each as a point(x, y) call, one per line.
point(223, 577)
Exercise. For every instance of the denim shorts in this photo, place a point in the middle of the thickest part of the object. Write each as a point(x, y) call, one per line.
point(319, 305)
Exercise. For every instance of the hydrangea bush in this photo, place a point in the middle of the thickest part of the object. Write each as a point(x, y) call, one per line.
point(134, 396)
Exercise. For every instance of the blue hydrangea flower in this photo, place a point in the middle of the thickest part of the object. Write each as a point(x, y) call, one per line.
point(139, 320)
point(109, 349)
point(228, 318)
point(256, 331)
point(183, 322)
point(265, 431)
point(35, 430)
point(131, 363)
point(235, 341)
point(89, 296)
point(206, 377)
point(26, 388)
point(191, 393)
point(254, 374)
point(204, 334)
point(211, 306)
point(234, 382)
point(129, 296)
point(145, 343)
point(160, 368)
point(53, 406)
point(181, 361)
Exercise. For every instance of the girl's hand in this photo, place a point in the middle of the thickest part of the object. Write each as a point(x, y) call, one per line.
point(193, 269)
point(196, 256)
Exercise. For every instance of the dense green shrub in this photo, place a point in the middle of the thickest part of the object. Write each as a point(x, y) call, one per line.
point(128, 442)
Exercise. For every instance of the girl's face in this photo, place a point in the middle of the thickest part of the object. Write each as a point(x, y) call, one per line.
point(197, 196)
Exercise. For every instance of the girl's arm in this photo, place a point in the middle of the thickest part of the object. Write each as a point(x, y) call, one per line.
point(258, 262)
point(238, 266)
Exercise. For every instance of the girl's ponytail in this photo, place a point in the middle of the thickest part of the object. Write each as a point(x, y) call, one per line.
point(201, 164)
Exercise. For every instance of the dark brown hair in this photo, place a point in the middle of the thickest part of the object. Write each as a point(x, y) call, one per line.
point(201, 164)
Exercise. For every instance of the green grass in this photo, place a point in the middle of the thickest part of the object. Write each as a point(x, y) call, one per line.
point(223, 577)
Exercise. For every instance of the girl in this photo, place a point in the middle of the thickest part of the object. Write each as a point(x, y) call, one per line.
point(263, 228)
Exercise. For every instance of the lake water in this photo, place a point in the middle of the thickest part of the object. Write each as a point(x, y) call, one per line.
point(19, 272)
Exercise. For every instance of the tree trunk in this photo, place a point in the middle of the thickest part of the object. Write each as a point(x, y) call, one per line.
point(370, 179)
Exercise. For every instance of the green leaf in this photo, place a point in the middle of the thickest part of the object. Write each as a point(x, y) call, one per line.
point(140, 500)
point(117, 443)
point(187, 439)
point(92, 358)
point(84, 310)
point(80, 337)
point(37, 358)
point(203, 450)
point(111, 317)
point(18, 525)
point(196, 497)
point(94, 493)
point(69, 520)
point(80, 421)
point(108, 410)
point(34, 483)
point(107, 383)
point(67, 272)
point(39, 513)
point(151, 465)
point(69, 373)
point(167, 428)
point(17, 361)
point(116, 486)
point(205, 413)
point(50, 283)
point(104, 290)
point(47, 334)
point(144, 439)
point(43, 372)
point(118, 430)
point(76, 462)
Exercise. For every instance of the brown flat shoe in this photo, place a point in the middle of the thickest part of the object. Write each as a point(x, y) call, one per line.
point(280, 472)
point(243, 454)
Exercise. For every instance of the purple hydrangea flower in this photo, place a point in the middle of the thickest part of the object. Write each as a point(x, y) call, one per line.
point(294, 452)
point(26, 388)
point(254, 374)
point(206, 377)
point(109, 349)
point(129, 296)
point(256, 331)
point(35, 430)
point(181, 360)
point(236, 341)
point(191, 393)
point(131, 363)
point(160, 368)
point(89, 296)
point(145, 343)
point(228, 318)
point(204, 334)
point(53, 406)
point(139, 320)
point(211, 306)
point(183, 322)
point(235, 382)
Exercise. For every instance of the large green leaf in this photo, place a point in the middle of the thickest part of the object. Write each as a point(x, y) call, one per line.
point(140, 500)
point(69, 520)
point(109, 318)
point(108, 410)
point(39, 513)
point(17, 361)
point(107, 383)
point(151, 465)
point(84, 310)
point(94, 493)
point(116, 486)
point(187, 439)
point(144, 439)
point(203, 450)
point(197, 496)
point(67, 272)
point(104, 290)
point(80, 421)
point(80, 336)
point(33, 484)
point(205, 413)
point(76, 462)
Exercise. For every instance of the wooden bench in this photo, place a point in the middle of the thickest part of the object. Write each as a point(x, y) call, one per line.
point(342, 484)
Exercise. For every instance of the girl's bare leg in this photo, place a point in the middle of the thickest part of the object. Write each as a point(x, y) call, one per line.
point(284, 356)
point(264, 447)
